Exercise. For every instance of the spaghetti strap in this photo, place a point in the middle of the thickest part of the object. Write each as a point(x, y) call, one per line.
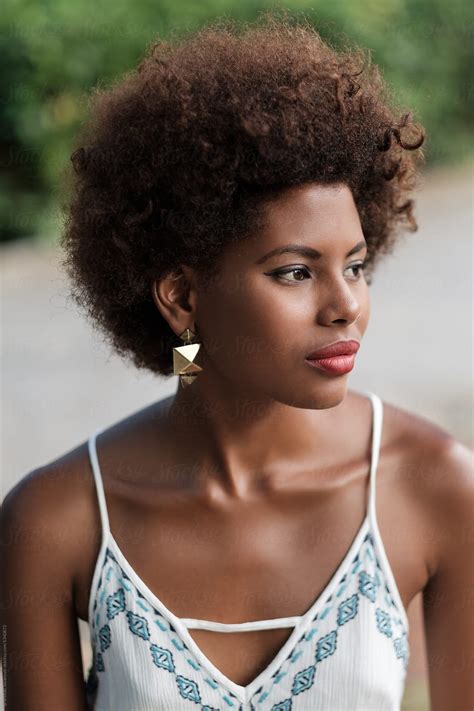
point(104, 518)
point(377, 405)
point(377, 419)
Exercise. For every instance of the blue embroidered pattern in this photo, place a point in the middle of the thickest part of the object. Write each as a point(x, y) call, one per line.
point(347, 610)
point(138, 625)
point(388, 623)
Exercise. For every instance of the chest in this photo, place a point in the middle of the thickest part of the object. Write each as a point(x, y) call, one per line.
point(276, 558)
point(349, 651)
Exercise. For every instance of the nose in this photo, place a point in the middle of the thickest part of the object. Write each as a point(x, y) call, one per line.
point(339, 304)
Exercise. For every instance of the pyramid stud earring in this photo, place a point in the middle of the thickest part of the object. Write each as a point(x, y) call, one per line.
point(183, 357)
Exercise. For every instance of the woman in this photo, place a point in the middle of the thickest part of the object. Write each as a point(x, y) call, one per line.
point(229, 202)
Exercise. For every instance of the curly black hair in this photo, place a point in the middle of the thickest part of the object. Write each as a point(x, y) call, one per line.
point(179, 156)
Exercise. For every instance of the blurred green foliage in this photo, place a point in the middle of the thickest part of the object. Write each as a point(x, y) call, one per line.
point(54, 52)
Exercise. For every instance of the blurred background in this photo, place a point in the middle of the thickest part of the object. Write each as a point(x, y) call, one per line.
point(59, 381)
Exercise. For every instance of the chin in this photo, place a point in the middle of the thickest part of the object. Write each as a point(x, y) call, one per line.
point(318, 396)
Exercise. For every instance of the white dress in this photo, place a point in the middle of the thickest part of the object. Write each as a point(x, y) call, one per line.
point(348, 652)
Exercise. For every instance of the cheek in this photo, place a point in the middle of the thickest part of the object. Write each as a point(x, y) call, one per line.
point(365, 310)
point(248, 323)
point(257, 325)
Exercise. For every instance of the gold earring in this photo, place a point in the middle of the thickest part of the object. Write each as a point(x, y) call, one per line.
point(183, 357)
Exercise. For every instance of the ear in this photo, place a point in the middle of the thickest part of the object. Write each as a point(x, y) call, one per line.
point(175, 297)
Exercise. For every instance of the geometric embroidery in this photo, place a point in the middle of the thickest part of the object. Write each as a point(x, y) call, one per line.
point(99, 662)
point(138, 625)
point(367, 585)
point(383, 622)
point(283, 706)
point(162, 657)
point(115, 603)
point(303, 680)
point(401, 648)
point(188, 689)
point(104, 637)
point(347, 610)
point(326, 645)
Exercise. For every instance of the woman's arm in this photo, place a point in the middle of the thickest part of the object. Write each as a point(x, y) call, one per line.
point(448, 598)
point(42, 663)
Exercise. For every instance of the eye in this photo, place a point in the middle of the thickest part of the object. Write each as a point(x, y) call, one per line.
point(294, 270)
point(299, 271)
point(359, 266)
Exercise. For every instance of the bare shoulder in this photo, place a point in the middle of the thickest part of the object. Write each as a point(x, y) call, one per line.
point(442, 477)
point(50, 511)
point(438, 471)
point(43, 527)
point(58, 499)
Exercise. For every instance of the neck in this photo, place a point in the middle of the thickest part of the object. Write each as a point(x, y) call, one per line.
point(241, 440)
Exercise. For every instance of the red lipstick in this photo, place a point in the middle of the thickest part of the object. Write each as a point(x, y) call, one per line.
point(337, 358)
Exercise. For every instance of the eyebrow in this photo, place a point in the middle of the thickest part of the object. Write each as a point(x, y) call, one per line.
point(306, 251)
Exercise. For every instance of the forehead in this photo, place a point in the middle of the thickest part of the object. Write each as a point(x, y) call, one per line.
point(312, 206)
point(324, 217)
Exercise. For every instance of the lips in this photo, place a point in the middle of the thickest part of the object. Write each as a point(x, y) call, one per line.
point(339, 348)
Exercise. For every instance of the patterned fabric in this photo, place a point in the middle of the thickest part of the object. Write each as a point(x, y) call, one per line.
point(349, 651)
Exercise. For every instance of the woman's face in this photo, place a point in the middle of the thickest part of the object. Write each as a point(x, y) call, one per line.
point(268, 309)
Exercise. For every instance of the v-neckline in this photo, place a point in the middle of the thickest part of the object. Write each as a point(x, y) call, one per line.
point(244, 692)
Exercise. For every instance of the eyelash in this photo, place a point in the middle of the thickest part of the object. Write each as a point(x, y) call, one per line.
point(278, 274)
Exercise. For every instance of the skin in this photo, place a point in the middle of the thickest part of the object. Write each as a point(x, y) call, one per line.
point(253, 476)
